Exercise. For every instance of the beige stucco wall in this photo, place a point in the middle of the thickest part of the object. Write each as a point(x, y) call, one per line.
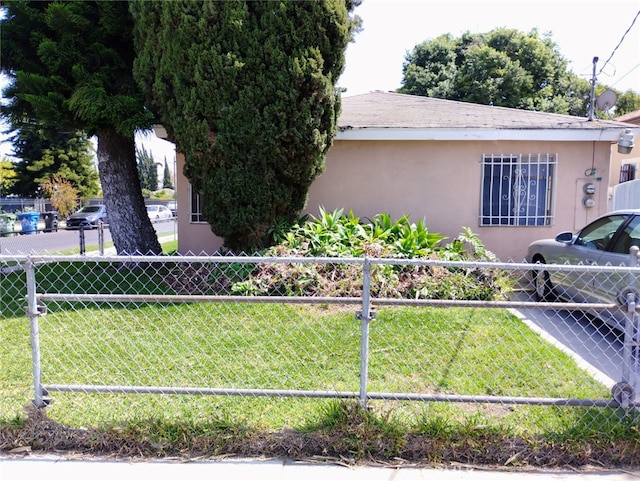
point(193, 238)
point(436, 181)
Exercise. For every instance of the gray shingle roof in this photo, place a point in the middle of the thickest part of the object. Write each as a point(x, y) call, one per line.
point(388, 110)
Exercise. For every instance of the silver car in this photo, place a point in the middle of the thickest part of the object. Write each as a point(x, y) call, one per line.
point(605, 242)
point(89, 216)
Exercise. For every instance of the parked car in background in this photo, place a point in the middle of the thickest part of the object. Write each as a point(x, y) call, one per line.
point(89, 216)
point(604, 242)
point(173, 207)
point(159, 212)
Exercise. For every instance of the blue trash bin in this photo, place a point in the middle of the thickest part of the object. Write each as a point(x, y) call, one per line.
point(29, 222)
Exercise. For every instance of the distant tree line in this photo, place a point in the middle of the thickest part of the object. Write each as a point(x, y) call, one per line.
point(506, 68)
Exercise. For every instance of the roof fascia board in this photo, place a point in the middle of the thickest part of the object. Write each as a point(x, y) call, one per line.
point(611, 134)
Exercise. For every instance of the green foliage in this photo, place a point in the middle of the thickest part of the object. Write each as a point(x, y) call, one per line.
point(8, 175)
point(503, 67)
point(70, 65)
point(333, 234)
point(166, 176)
point(147, 170)
point(247, 89)
point(162, 194)
point(468, 245)
point(45, 152)
point(430, 70)
point(627, 102)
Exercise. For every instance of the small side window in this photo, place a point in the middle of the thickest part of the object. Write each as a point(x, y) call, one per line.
point(194, 207)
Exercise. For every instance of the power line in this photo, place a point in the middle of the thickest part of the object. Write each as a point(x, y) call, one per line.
point(628, 73)
point(620, 42)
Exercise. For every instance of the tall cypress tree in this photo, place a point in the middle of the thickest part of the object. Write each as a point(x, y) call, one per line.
point(147, 169)
point(166, 176)
point(246, 89)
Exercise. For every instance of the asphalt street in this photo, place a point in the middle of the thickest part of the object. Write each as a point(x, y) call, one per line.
point(63, 240)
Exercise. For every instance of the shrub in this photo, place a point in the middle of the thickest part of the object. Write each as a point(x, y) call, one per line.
point(336, 235)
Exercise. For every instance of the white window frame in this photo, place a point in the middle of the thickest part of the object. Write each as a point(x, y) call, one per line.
point(195, 212)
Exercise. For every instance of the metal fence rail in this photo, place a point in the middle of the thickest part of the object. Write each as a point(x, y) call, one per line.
point(193, 325)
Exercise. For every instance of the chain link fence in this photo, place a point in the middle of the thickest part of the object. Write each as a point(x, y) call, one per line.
point(109, 339)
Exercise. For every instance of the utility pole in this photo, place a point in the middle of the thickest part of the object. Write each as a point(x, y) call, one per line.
point(592, 99)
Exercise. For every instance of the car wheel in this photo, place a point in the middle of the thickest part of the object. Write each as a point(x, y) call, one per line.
point(542, 284)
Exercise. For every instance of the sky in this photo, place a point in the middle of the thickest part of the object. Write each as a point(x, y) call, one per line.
point(582, 29)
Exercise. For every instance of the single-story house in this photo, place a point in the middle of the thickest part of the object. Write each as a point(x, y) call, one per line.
point(511, 176)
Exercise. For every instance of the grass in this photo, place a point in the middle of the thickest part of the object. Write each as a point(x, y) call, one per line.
point(279, 346)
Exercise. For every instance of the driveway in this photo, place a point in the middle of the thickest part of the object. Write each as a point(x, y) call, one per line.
point(596, 347)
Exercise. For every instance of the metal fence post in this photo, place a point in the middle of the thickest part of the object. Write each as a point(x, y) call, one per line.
point(635, 355)
point(82, 241)
point(624, 392)
point(33, 313)
point(365, 317)
point(101, 238)
point(631, 349)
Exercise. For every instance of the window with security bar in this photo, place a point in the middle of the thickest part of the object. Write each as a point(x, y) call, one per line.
point(627, 172)
point(517, 190)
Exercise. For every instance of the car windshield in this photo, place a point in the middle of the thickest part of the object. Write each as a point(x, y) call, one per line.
point(89, 208)
point(152, 207)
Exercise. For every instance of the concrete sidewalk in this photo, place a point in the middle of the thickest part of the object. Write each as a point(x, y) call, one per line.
point(54, 468)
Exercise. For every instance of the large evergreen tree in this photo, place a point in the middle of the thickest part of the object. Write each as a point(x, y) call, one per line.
point(503, 67)
point(44, 153)
point(246, 89)
point(71, 66)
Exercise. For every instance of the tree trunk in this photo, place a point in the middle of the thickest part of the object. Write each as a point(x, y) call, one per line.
point(131, 229)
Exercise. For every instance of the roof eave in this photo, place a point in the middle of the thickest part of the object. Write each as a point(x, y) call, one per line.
point(467, 134)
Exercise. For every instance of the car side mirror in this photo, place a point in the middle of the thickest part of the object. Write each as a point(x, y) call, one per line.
point(565, 237)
